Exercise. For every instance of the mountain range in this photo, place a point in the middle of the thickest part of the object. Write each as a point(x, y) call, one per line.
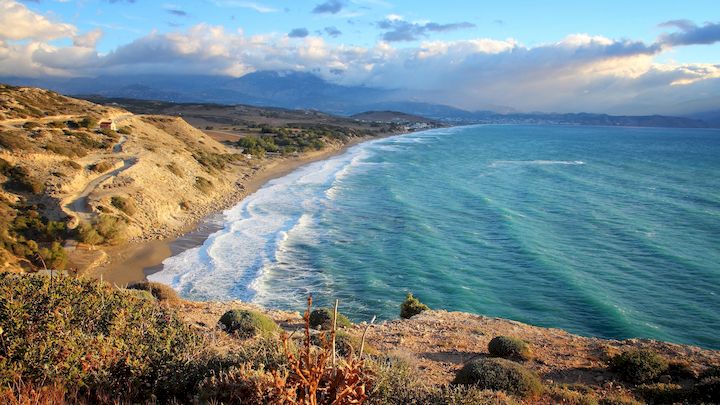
point(298, 90)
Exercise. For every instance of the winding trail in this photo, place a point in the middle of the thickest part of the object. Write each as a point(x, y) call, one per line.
point(79, 208)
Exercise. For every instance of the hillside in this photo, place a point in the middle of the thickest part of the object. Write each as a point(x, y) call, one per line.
point(131, 178)
point(161, 349)
point(76, 171)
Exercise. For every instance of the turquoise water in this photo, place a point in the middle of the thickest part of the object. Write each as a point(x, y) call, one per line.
point(609, 232)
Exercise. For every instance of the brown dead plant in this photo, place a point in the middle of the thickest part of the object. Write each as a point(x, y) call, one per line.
point(313, 380)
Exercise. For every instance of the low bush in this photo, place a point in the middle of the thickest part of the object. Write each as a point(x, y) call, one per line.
point(124, 204)
point(573, 394)
point(174, 169)
point(88, 122)
point(712, 371)
point(112, 229)
point(87, 233)
point(345, 343)
point(322, 318)
point(659, 393)
point(20, 179)
point(411, 307)
point(619, 399)
point(72, 164)
point(102, 166)
point(638, 366)
point(708, 389)
point(14, 141)
point(91, 339)
point(397, 381)
point(247, 323)
point(125, 131)
point(509, 348)
point(203, 185)
point(107, 229)
point(500, 375)
point(161, 292)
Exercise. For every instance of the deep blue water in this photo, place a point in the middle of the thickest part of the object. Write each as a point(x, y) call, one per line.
point(610, 232)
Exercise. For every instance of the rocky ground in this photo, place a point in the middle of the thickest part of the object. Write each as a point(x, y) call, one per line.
point(439, 342)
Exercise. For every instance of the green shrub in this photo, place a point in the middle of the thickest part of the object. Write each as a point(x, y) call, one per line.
point(91, 338)
point(174, 169)
point(573, 394)
point(20, 179)
point(107, 229)
point(659, 393)
point(161, 292)
point(247, 323)
point(712, 371)
point(111, 228)
point(54, 256)
point(321, 318)
point(88, 122)
point(102, 166)
point(203, 184)
point(72, 164)
point(509, 348)
point(411, 307)
point(345, 343)
point(638, 366)
point(708, 389)
point(619, 399)
point(126, 205)
point(464, 395)
point(140, 294)
point(499, 375)
point(14, 140)
point(397, 382)
point(125, 131)
point(87, 233)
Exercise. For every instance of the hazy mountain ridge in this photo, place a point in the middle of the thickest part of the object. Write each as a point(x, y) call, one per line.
point(297, 90)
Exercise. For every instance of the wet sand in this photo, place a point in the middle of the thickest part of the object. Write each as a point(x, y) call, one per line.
point(134, 261)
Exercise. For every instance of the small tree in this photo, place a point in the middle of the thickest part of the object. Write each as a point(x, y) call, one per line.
point(411, 307)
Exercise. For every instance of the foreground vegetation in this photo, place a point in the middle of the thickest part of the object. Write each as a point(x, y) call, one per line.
point(71, 340)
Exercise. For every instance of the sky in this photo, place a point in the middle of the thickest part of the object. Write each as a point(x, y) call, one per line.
point(557, 55)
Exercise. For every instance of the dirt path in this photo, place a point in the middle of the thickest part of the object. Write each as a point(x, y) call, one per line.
point(79, 208)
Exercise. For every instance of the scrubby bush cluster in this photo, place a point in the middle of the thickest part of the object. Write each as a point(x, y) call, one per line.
point(411, 307)
point(500, 375)
point(247, 324)
point(94, 341)
point(102, 166)
point(639, 366)
point(31, 237)
point(124, 204)
point(19, 179)
point(509, 348)
point(107, 229)
point(159, 291)
point(295, 138)
point(203, 184)
point(214, 161)
point(322, 318)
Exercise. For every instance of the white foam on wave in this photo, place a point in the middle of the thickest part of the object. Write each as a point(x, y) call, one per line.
point(230, 264)
point(535, 162)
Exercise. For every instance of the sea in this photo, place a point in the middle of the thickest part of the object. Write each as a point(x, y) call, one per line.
point(602, 231)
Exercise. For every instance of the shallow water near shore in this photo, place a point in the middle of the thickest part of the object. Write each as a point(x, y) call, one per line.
point(609, 232)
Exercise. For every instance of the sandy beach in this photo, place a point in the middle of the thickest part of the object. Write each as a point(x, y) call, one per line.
point(133, 261)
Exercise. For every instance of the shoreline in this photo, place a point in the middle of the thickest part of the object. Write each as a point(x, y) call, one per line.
point(134, 261)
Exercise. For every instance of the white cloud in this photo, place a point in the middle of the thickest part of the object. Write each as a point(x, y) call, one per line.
point(19, 22)
point(579, 72)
